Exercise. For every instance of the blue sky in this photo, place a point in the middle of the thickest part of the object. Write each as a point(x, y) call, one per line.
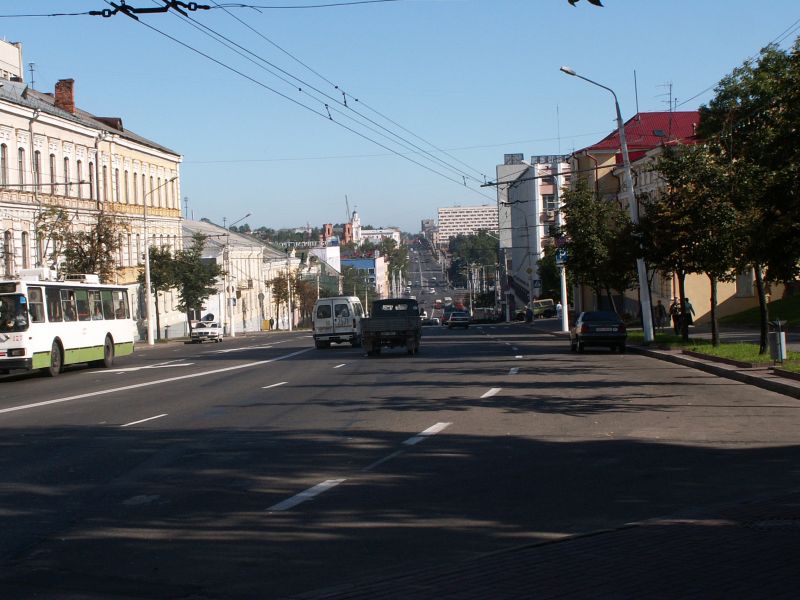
point(475, 78)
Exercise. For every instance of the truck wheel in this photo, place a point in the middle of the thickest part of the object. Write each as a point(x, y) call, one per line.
point(56, 360)
point(108, 355)
point(319, 345)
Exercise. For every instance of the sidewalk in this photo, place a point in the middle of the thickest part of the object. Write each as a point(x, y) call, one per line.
point(741, 550)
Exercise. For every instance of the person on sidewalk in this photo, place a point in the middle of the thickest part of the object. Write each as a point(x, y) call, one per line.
point(689, 315)
point(660, 315)
point(559, 310)
point(675, 313)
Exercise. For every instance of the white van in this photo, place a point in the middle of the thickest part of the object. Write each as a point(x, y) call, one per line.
point(337, 319)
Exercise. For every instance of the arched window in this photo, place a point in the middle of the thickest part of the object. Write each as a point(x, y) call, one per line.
point(117, 197)
point(138, 249)
point(158, 185)
point(152, 189)
point(104, 185)
point(120, 253)
point(8, 252)
point(26, 251)
point(52, 174)
point(37, 170)
point(67, 184)
point(130, 251)
point(79, 177)
point(127, 196)
point(135, 190)
point(3, 164)
point(21, 168)
point(91, 181)
point(144, 194)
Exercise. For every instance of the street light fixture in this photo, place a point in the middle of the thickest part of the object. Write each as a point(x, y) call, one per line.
point(647, 315)
point(227, 261)
point(148, 295)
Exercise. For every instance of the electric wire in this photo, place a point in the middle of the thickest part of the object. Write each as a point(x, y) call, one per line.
point(408, 145)
point(323, 115)
point(332, 4)
point(345, 93)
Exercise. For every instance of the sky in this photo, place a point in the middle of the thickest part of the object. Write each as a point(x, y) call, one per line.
point(436, 91)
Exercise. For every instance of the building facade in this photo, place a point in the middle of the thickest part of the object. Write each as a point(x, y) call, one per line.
point(465, 220)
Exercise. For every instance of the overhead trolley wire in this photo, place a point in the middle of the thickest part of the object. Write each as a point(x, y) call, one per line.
point(406, 144)
point(346, 94)
point(316, 112)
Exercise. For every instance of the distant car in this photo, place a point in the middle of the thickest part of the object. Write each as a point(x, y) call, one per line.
point(598, 328)
point(544, 308)
point(206, 331)
point(458, 319)
point(432, 291)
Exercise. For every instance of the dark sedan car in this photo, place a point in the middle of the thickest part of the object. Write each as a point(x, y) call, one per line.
point(598, 328)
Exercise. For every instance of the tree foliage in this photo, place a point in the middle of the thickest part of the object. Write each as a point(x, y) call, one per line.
point(95, 250)
point(195, 277)
point(466, 250)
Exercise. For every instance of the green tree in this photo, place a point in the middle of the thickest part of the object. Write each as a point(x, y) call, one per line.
point(752, 124)
point(195, 277)
point(692, 226)
point(600, 248)
point(53, 227)
point(163, 276)
point(466, 250)
point(94, 250)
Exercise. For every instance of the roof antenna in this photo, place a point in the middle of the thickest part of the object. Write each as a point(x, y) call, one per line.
point(32, 67)
point(636, 93)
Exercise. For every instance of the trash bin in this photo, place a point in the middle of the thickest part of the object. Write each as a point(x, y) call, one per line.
point(777, 341)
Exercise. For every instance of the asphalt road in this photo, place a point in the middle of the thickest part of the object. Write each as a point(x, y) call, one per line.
point(263, 468)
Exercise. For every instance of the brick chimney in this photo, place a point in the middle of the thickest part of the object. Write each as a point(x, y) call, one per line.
point(65, 95)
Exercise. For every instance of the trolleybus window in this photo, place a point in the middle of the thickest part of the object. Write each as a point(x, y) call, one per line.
point(13, 313)
point(97, 305)
point(108, 304)
point(53, 305)
point(82, 300)
point(36, 304)
point(68, 305)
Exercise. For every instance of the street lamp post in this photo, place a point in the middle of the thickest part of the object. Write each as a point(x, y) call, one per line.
point(148, 296)
point(647, 315)
point(288, 290)
point(230, 297)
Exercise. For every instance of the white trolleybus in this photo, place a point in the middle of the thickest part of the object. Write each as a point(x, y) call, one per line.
point(49, 324)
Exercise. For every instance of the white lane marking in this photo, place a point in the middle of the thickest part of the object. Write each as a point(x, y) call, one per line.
point(515, 349)
point(340, 366)
point(491, 392)
point(382, 460)
point(432, 430)
point(513, 370)
point(306, 495)
point(266, 387)
point(135, 386)
point(162, 365)
point(518, 356)
point(240, 349)
point(143, 420)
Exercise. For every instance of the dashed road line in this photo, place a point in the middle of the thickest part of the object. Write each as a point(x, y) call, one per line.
point(143, 420)
point(306, 495)
point(340, 366)
point(432, 430)
point(491, 392)
point(518, 356)
point(266, 387)
point(379, 462)
point(513, 370)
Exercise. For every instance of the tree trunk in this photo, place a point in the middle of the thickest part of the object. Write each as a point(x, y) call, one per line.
point(763, 309)
point(189, 322)
point(158, 319)
point(611, 300)
point(714, 323)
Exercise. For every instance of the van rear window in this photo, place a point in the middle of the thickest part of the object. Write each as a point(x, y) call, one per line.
point(324, 311)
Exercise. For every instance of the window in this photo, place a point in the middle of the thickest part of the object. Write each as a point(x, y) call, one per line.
point(37, 170)
point(8, 252)
point(108, 304)
point(127, 197)
point(3, 164)
point(122, 310)
point(135, 190)
point(104, 185)
point(744, 284)
point(26, 251)
point(36, 305)
point(130, 251)
point(68, 307)
point(324, 311)
point(53, 174)
point(152, 189)
point(21, 168)
point(67, 185)
point(120, 252)
point(82, 301)
point(549, 201)
point(79, 177)
point(54, 314)
point(117, 197)
point(159, 192)
point(342, 310)
point(138, 248)
point(96, 304)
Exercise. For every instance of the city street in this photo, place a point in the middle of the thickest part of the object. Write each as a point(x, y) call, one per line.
point(261, 467)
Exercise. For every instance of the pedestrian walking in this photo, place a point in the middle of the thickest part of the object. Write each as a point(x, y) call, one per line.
point(675, 313)
point(689, 314)
point(528, 314)
point(271, 323)
point(661, 315)
point(559, 310)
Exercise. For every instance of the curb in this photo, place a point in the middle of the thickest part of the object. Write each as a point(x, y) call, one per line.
point(762, 379)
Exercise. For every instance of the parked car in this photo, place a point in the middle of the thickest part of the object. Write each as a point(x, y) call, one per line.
point(206, 331)
point(458, 319)
point(598, 328)
point(544, 308)
point(337, 320)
